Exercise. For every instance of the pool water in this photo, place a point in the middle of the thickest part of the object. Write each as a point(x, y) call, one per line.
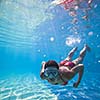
point(28, 87)
point(32, 31)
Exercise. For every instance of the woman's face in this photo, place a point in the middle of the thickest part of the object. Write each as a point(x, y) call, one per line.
point(51, 74)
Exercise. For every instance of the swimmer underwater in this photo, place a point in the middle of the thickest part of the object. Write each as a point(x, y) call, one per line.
point(61, 73)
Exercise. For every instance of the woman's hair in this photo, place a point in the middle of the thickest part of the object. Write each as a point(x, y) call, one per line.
point(51, 63)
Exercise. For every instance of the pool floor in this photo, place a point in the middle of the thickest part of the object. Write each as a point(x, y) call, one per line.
point(28, 87)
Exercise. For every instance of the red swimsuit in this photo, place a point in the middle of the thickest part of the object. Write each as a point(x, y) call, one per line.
point(67, 63)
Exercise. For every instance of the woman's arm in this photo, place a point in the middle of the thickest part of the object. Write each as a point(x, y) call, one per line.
point(78, 69)
point(42, 70)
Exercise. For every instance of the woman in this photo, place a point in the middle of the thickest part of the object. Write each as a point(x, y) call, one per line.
point(64, 71)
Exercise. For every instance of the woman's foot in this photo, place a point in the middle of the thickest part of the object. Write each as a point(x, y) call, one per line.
point(87, 47)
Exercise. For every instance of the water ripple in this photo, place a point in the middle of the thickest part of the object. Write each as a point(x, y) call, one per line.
point(27, 87)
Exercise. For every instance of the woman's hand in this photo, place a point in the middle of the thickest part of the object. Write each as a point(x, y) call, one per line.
point(43, 62)
point(76, 84)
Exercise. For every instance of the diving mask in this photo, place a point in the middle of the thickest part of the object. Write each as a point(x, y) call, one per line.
point(51, 73)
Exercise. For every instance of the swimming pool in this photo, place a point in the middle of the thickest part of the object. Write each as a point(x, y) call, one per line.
point(32, 31)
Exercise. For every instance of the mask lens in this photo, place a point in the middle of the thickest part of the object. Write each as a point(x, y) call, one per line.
point(51, 73)
point(46, 73)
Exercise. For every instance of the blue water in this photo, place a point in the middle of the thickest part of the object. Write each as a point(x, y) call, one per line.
point(31, 31)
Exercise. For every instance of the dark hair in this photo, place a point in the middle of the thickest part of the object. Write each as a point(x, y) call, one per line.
point(51, 63)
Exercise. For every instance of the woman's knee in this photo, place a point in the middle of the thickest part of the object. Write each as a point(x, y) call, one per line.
point(81, 65)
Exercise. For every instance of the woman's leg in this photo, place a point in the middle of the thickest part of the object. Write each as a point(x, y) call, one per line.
point(70, 54)
point(82, 55)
